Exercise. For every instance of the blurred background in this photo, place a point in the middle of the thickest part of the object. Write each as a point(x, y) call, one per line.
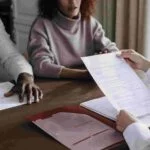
point(125, 22)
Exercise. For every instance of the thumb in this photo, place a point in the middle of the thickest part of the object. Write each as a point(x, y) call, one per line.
point(119, 128)
point(10, 93)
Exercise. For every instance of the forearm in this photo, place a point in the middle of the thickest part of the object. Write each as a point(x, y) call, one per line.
point(44, 68)
point(11, 60)
point(74, 73)
point(16, 64)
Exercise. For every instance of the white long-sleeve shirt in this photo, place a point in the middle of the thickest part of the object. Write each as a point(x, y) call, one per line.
point(10, 59)
point(137, 135)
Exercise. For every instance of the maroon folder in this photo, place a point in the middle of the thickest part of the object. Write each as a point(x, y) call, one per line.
point(105, 139)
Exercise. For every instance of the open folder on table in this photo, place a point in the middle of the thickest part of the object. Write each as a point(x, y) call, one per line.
point(103, 107)
point(121, 85)
point(77, 128)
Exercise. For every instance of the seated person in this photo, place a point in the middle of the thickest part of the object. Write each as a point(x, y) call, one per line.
point(63, 32)
point(136, 134)
point(17, 68)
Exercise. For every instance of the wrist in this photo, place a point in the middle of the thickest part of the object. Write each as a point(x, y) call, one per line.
point(146, 65)
point(25, 77)
point(85, 74)
point(74, 73)
point(78, 73)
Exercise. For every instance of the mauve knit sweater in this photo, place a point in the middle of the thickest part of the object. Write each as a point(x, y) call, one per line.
point(60, 42)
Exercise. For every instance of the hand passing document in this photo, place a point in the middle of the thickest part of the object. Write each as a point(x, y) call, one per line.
point(123, 88)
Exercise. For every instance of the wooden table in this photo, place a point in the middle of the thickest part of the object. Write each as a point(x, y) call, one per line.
point(16, 133)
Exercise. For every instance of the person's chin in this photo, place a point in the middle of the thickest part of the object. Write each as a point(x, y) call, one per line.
point(74, 15)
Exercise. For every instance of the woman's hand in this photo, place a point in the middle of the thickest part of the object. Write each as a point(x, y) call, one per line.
point(135, 60)
point(124, 119)
point(25, 86)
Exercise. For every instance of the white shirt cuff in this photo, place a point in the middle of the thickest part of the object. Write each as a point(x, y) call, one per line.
point(137, 136)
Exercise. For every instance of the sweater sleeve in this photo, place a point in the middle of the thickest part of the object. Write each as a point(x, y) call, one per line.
point(137, 136)
point(40, 53)
point(10, 59)
point(101, 42)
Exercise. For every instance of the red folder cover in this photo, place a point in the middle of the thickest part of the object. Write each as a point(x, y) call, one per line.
point(100, 135)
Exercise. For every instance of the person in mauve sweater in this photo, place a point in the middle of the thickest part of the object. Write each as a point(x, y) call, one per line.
point(63, 32)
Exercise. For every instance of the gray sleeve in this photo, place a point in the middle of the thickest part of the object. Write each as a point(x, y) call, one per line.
point(101, 42)
point(40, 52)
point(10, 59)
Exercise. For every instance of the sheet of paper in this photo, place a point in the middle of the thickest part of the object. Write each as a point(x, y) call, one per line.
point(8, 102)
point(123, 88)
point(71, 129)
point(103, 107)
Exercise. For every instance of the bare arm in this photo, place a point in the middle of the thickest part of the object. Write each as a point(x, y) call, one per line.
point(74, 73)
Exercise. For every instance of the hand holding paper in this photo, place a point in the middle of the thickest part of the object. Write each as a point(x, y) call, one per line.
point(123, 88)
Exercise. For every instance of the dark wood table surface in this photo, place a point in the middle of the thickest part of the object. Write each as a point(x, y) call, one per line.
point(16, 133)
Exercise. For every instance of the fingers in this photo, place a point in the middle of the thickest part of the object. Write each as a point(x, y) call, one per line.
point(33, 91)
point(40, 94)
point(29, 93)
point(131, 57)
point(16, 90)
point(20, 90)
point(22, 93)
point(36, 95)
point(10, 93)
point(29, 90)
point(125, 52)
point(132, 64)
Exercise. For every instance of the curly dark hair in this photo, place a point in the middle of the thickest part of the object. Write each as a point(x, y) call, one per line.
point(48, 8)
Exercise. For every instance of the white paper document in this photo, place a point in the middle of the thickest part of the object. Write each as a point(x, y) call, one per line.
point(79, 131)
point(103, 107)
point(123, 88)
point(8, 102)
